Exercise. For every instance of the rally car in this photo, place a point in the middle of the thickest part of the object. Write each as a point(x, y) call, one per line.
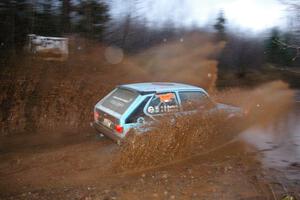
point(131, 106)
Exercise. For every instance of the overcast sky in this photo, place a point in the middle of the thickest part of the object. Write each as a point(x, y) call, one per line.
point(255, 15)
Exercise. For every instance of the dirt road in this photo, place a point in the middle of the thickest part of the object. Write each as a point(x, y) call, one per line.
point(262, 164)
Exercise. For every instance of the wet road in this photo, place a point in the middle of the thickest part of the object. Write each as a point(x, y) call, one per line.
point(278, 145)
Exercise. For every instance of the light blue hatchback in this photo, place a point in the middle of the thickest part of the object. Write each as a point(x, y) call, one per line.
point(131, 106)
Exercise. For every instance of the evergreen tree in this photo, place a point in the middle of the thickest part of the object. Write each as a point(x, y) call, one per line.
point(65, 16)
point(276, 53)
point(220, 26)
point(46, 19)
point(15, 21)
point(93, 16)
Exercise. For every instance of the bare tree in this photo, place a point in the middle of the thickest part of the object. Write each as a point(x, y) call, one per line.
point(293, 8)
point(288, 46)
point(294, 13)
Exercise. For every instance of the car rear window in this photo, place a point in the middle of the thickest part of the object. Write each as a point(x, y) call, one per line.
point(119, 100)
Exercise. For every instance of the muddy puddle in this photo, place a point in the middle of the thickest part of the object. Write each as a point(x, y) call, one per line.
point(278, 144)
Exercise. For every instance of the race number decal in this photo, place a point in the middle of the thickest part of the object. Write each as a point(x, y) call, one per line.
point(150, 109)
point(163, 103)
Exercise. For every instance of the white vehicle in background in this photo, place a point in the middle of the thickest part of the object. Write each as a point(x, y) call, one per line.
point(48, 48)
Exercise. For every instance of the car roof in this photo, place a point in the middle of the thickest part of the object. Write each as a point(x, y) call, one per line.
point(158, 87)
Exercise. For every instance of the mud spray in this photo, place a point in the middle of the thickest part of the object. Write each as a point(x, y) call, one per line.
point(170, 141)
point(191, 62)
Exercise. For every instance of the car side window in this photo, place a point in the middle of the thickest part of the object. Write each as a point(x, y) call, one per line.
point(194, 100)
point(163, 103)
point(138, 113)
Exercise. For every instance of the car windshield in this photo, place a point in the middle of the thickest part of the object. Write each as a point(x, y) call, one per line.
point(119, 100)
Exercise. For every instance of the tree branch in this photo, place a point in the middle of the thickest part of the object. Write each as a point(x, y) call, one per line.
point(287, 46)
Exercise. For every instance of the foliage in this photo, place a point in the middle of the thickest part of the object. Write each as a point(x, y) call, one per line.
point(92, 18)
point(49, 18)
point(275, 52)
point(220, 26)
point(15, 18)
point(241, 54)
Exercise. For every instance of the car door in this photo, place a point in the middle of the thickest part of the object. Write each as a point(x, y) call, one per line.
point(162, 104)
point(138, 117)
